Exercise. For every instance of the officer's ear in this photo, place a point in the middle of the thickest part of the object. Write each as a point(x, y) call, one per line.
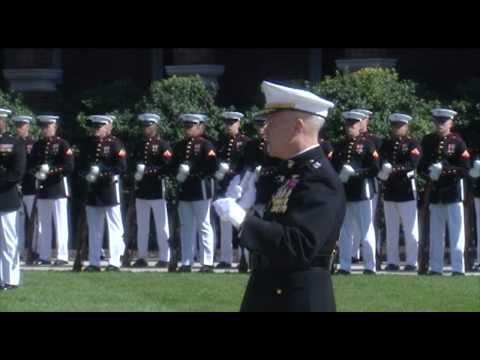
point(298, 125)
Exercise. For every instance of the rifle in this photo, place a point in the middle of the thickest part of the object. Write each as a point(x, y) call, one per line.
point(82, 235)
point(174, 240)
point(424, 223)
point(469, 208)
point(129, 235)
point(243, 264)
point(30, 232)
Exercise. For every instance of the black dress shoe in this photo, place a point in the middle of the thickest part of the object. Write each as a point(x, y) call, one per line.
point(7, 287)
point(243, 266)
point(434, 273)
point(140, 263)
point(343, 272)
point(42, 262)
point(206, 269)
point(223, 265)
point(410, 268)
point(172, 268)
point(60, 263)
point(456, 273)
point(111, 268)
point(185, 269)
point(92, 268)
point(392, 267)
point(369, 272)
point(161, 264)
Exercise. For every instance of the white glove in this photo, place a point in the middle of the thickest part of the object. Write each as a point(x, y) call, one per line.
point(228, 210)
point(184, 169)
point(140, 172)
point(39, 175)
point(234, 190)
point(141, 168)
point(346, 172)
point(183, 172)
point(475, 171)
point(476, 165)
point(91, 178)
point(94, 170)
point(44, 168)
point(181, 178)
point(385, 172)
point(387, 168)
point(435, 171)
point(258, 170)
point(249, 194)
point(222, 170)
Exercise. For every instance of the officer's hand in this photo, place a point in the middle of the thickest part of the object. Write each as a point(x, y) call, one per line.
point(385, 172)
point(476, 165)
point(39, 175)
point(349, 169)
point(222, 170)
point(345, 173)
point(44, 168)
point(184, 169)
point(387, 168)
point(95, 170)
point(138, 176)
point(141, 168)
point(435, 171)
point(91, 178)
point(230, 211)
point(258, 170)
point(475, 171)
point(234, 190)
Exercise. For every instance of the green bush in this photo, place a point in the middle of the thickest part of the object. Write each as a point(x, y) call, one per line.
point(379, 90)
point(14, 102)
point(176, 95)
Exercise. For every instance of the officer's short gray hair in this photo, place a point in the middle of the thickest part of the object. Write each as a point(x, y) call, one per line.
point(315, 122)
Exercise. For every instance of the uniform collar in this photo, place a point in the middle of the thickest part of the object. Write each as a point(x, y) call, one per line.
point(303, 156)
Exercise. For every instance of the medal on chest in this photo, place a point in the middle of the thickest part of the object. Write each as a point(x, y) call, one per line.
point(450, 149)
point(279, 202)
point(196, 149)
point(359, 149)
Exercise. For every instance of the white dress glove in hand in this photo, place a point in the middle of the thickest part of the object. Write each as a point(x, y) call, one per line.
point(346, 172)
point(435, 171)
point(385, 172)
point(183, 172)
point(95, 170)
point(39, 175)
point(140, 172)
point(44, 168)
point(91, 178)
point(475, 171)
point(93, 174)
point(222, 170)
point(228, 210)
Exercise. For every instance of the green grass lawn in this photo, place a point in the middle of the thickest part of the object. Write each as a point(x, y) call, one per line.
point(66, 291)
